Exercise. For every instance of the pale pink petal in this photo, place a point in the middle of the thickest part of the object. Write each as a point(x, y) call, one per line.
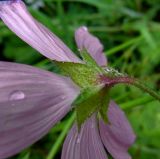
point(92, 44)
point(18, 19)
point(31, 102)
point(117, 136)
point(84, 145)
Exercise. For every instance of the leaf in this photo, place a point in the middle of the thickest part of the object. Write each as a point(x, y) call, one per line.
point(22, 53)
point(24, 155)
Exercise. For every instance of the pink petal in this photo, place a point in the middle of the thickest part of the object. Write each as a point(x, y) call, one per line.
point(19, 20)
point(117, 136)
point(31, 102)
point(92, 44)
point(84, 145)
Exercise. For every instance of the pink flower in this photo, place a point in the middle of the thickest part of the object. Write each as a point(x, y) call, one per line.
point(33, 100)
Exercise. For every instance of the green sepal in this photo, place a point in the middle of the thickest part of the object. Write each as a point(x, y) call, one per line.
point(90, 100)
point(85, 94)
point(104, 106)
point(83, 75)
point(90, 61)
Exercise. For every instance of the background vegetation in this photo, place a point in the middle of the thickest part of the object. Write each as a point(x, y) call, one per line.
point(130, 32)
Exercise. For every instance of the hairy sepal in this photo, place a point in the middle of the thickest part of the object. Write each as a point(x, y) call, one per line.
point(91, 100)
point(90, 61)
point(82, 74)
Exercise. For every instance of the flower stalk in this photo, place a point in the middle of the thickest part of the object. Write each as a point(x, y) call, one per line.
point(113, 77)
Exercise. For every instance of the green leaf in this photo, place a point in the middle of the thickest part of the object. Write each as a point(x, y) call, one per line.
point(22, 54)
point(24, 155)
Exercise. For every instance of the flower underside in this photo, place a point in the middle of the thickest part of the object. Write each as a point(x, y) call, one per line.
point(95, 83)
point(33, 100)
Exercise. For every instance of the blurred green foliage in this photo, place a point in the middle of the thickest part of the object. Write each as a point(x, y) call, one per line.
point(130, 32)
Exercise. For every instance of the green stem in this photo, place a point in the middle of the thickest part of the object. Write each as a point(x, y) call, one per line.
point(124, 45)
point(153, 151)
point(61, 137)
point(122, 96)
point(112, 77)
point(136, 102)
point(146, 89)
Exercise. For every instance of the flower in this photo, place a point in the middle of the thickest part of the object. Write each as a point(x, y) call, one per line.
point(33, 100)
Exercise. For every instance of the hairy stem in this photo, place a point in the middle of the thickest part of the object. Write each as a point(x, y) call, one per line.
point(119, 78)
point(145, 88)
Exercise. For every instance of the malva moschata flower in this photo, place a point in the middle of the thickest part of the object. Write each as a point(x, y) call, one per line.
point(32, 100)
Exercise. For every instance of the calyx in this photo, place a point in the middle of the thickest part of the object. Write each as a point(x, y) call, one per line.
point(95, 83)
